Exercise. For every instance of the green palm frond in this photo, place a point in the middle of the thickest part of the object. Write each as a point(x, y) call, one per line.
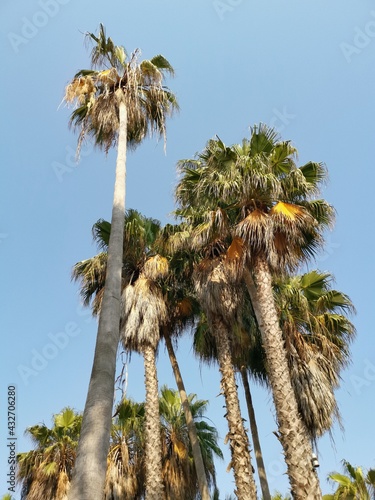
point(162, 64)
point(313, 317)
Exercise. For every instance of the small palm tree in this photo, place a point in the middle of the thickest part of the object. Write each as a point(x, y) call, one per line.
point(354, 485)
point(179, 473)
point(117, 103)
point(126, 458)
point(46, 471)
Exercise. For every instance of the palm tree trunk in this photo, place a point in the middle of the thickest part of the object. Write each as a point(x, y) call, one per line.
point(254, 433)
point(293, 435)
point(91, 463)
point(239, 442)
point(192, 431)
point(154, 482)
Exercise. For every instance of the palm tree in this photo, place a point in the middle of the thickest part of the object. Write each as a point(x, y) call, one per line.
point(353, 485)
point(317, 332)
point(313, 317)
point(218, 291)
point(179, 473)
point(116, 105)
point(255, 196)
point(143, 315)
point(248, 358)
point(182, 309)
point(142, 238)
point(46, 471)
point(126, 458)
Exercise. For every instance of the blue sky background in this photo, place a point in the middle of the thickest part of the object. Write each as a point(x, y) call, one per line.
point(306, 68)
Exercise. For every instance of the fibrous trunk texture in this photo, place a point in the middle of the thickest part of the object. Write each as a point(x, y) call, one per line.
point(192, 431)
point(91, 463)
point(238, 440)
point(254, 433)
point(154, 482)
point(292, 433)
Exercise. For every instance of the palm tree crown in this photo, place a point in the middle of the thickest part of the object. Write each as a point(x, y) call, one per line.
point(255, 191)
point(354, 485)
point(318, 333)
point(178, 467)
point(46, 471)
point(97, 94)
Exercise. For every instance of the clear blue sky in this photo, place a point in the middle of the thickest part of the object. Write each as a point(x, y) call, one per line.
point(306, 68)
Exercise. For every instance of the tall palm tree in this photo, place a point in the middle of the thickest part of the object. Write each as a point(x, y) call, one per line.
point(218, 291)
point(46, 471)
point(255, 195)
point(217, 286)
point(117, 105)
point(142, 238)
point(179, 473)
point(143, 315)
point(354, 485)
point(182, 309)
point(248, 358)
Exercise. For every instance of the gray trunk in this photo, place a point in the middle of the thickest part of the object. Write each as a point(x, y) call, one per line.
point(91, 463)
point(238, 440)
point(153, 452)
point(254, 433)
point(292, 433)
point(196, 450)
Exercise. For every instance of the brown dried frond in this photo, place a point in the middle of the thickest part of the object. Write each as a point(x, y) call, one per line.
point(312, 382)
point(108, 77)
point(143, 313)
point(80, 89)
point(104, 117)
point(255, 230)
point(217, 289)
point(155, 267)
point(63, 485)
point(184, 308)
